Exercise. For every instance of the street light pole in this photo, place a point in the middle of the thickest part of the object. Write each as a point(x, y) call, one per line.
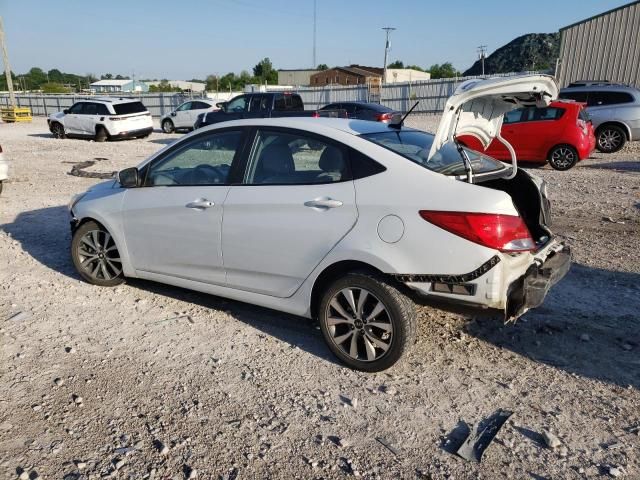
point(388, 30)
point(482, 50)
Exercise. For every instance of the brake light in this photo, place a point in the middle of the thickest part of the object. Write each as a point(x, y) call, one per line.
point(507, 233)
point(315, 114)
point(384, 117)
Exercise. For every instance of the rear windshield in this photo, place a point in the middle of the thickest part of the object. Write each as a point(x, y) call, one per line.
point(129, 107)
point(415, 146)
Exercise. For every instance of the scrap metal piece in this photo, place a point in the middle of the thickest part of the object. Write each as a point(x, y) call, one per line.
point(388, 445)
point(481, 435)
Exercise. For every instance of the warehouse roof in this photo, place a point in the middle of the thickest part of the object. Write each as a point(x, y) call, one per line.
point(600, 15)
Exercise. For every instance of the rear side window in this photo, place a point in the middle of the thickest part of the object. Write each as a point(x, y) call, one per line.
point(129, 107)
point(608, 98)
point(288, 102)
point(542, 114)
point(102, 109)
point(363, 166)
point(576, 96)
point(282, 158)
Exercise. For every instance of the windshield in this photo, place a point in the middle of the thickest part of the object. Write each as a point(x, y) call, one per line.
point(415, 146)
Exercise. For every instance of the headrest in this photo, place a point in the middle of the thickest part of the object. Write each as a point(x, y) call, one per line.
point(276, 160)
point(331, 160)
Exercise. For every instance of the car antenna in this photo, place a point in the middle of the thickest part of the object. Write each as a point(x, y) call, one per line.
point(398, 125)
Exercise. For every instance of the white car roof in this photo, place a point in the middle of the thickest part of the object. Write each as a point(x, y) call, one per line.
point(354, 127)
point(111, 100)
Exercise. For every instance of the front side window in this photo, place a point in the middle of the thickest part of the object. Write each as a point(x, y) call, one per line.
point(295, 159)
point(90, 109)
point(184, 107)
point(205, 160)
point(76, 108)
point(238, 104)
point(415, 145)
point(258, 103)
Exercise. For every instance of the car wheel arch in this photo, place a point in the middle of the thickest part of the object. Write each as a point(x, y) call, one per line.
point(120, 242)
point(333, 272)
point(613, 123)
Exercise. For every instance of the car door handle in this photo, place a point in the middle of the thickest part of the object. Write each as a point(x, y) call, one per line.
point(200, 204)
point(323, 203)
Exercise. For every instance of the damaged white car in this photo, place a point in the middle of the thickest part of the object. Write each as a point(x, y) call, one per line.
point(347, 221)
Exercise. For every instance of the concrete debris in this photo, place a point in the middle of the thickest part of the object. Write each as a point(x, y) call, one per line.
point(550, 439)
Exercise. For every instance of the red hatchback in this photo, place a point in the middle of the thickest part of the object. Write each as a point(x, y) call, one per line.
point(561, 134)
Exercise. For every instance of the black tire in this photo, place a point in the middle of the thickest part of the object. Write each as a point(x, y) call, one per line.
point(57, 130)
point(563, 157)
point(167, 126)
point(96, 260)
point(398, 319)
point(610, 138)
point(101, 134)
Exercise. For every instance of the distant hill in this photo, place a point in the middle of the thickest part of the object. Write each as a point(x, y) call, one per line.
point(534, 51)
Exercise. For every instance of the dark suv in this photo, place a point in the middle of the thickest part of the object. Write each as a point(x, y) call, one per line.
point(614, 110)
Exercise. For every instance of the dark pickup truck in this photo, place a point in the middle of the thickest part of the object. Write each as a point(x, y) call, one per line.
point(262, 105)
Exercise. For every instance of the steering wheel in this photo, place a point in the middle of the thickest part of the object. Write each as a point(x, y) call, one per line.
point(209, 172)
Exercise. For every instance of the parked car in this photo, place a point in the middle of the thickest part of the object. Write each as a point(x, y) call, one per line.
point(353, 232)
point(185, 116)
point(4, 169)
point(364, 111)
point(102, 119)
point(261, 105)
point(561, 134)
point(614, 110)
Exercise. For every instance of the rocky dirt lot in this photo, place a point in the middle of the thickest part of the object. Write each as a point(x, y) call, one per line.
point(150, 381)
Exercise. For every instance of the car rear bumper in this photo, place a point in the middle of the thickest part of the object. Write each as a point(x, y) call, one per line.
point(4, 169)
point(131, 133)
point(510, 284)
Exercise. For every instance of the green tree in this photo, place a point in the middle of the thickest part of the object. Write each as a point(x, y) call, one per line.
point(396, 64)
point(415, 67)
point(444, 70)
point(53, 87)
point(265, 72)
point(322, 67)
point(106, 76)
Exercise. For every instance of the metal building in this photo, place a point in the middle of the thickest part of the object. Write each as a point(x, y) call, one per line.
point(603, 47)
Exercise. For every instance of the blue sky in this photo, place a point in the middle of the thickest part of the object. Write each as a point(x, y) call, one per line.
point(190, 39)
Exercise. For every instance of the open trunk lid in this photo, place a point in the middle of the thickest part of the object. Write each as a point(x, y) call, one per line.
point(477, 107)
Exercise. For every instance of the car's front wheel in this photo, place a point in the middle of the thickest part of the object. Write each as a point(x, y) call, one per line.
point(57, 130)
point(167, 126)
point(610, 138)
point(95, 255)
point(563, 157)
point(367, 322)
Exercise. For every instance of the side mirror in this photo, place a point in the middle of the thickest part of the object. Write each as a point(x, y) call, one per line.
point(173, 114)
point(65, 111)
point(222, 106)
point(128, 178)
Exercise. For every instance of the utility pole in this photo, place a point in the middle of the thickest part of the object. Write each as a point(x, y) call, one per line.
point(314, 35)
point(7, 67)
point(482, 50)
point(388, 30)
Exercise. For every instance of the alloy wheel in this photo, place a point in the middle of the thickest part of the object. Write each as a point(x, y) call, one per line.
point(563, 157)
point(359, 324)
point(98, 255)
point(609, 139)
point(58, 130)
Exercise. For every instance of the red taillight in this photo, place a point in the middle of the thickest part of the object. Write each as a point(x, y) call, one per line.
point(583, 126)
point(507, 233)
point(315, 114)
point(384, 117)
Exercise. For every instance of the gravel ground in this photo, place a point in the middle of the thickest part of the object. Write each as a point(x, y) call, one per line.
point(151, 381)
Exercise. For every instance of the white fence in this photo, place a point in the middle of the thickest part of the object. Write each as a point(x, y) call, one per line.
point(432, 95)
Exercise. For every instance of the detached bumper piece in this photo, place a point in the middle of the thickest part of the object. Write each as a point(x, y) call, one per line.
point(530, 290)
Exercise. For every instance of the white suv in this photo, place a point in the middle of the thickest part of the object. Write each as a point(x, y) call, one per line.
point(102, 119)
point(186, 115)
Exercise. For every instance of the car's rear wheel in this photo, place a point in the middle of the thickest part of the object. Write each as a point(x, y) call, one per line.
point(95, 255)
point(167, 126)
point(563, 157)
point(610, 138)
point(57, 130)
point(367, 322)
point(101, 134)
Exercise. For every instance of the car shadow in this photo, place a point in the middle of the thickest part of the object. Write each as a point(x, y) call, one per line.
point(41, 135)
point(45, 235)
point(633, 166)
point(588, 326)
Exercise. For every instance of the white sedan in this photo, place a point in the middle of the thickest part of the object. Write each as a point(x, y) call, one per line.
point(4, 169)
point(347, 221)
point(185, 116)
